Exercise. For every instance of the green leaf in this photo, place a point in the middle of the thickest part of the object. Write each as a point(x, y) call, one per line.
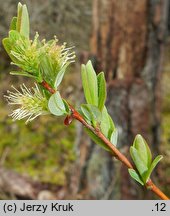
point(7, 45)
point(22, 73)
point(140, 165)
point(46, 68)
point(19, 16)
point(112, 126)
point(153, 165)
point(14, 36)
point(22, 25)
point(89, 81)
point(135, 176)
point(105, 122)
point(91, 113)
point(56, 105)
point(25, 28)
point(13, 24)
point(67, 108)
point(101, 90)
point(143, 150)
point(114, 137)
point(107, 125)
point(86, 112)
point(96, 139)
point(59, 76)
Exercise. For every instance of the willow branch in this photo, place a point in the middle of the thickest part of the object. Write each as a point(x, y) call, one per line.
point(156, 190)
point(76, 115)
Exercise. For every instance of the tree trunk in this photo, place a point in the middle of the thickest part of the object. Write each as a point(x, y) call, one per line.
point(127, 44)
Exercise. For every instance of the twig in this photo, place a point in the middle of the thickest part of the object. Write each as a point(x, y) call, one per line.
point(150, 185)
point(156, 190)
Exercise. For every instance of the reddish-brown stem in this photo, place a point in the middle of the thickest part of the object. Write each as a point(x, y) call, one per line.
point(156, 190)
point(114, 150)
point(76, 115)
point(48, 87)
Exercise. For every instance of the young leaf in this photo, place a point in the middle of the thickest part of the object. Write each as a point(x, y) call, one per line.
point(22, 73)
point(107, 125)
point(143, 149)
point(101, 90)
point(7, 45)
point(140, 165)
point(22, 24)
point(114, 137)
point(25, 28)
point(135, 176)
point(105, 122)
point(86, 112)
point(14, 36)
point(112, 126)
point(19, 15)
point(46, 68)
point(56, 105)
point(89, 81)
point(59, 76)
point(96, 139)
point(67, 108)
point(153, 165)
point(91, 113)
point(13, 24)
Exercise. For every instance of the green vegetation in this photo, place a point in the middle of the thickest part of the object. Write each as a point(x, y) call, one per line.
point(42, 150)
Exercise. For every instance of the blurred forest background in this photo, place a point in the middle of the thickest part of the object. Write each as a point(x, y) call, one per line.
point(130, 42)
